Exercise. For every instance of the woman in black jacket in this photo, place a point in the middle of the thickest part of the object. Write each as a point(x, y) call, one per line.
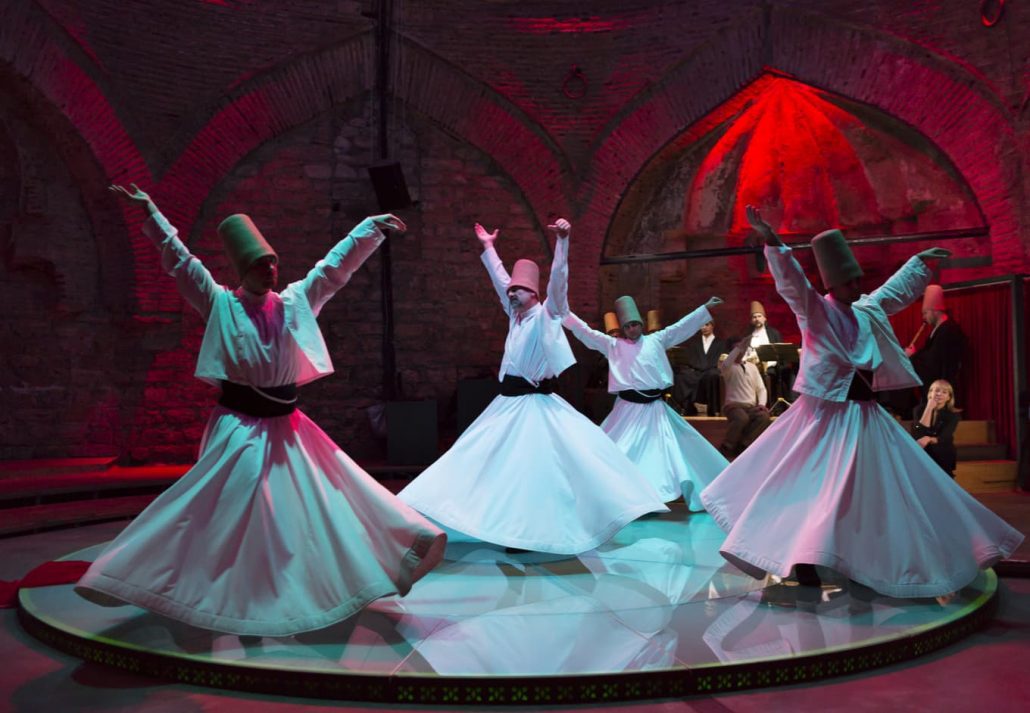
point(934, 422)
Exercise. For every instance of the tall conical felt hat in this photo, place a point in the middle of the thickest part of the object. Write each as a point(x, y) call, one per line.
point(654, 323)
point(244, 243)
point(526, 274)
point(611, 323)
point(933, 298)
point(757, 308)
point(626, 310)
point(833, 256)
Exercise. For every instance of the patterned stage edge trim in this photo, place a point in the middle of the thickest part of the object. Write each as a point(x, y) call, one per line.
point(513, 691)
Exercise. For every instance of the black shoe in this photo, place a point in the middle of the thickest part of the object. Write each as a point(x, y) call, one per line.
point(806, 575)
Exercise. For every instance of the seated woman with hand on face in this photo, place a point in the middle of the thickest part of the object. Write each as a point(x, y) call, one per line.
point(934, 422)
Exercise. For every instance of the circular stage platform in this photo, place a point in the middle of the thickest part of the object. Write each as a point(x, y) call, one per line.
point(654, 613)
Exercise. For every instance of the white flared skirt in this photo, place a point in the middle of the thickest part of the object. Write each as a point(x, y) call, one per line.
point(274, 531)
point(844, 486)
point(533, 473)
point(672, 455)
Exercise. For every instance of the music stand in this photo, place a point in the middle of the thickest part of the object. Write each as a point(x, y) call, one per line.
point(784, 354)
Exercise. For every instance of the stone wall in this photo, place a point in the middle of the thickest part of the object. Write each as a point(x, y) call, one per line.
point(507, 113)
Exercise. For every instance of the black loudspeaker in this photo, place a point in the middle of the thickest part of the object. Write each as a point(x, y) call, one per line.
point(474, 395)
point(388, 182)
point(411, 432)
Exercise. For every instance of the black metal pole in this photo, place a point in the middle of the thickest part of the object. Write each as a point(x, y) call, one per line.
point(383, 30)
point(749, 250)
point(1019, 378)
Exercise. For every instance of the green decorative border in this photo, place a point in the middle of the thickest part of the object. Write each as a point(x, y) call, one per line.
point(424, 689)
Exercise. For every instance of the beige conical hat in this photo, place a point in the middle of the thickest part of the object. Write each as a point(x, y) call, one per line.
point(933, 298)
point(757, 308)
point(626, 310)
point(611, 323)
point(526, 273)
point(654, 323)
point(837, 264)
point(244, 243)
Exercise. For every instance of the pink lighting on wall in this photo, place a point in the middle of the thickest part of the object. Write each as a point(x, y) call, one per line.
point(567, 25)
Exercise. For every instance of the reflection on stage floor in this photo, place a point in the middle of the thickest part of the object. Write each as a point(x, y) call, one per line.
point(654, 612)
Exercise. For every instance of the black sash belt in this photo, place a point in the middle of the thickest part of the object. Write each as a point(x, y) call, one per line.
point(641, 396)
point(861, 386)
point(264, 403)
point(517, 386)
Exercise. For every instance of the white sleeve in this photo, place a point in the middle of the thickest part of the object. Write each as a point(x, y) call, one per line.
point(685, 328)
point(598, 341)
point(334, 270)
point(194, 281)
point(557, 302)
point(498, 276)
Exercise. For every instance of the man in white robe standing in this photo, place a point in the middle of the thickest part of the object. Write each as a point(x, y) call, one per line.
point(675, 458)
point(531, 472)
point(275, 530)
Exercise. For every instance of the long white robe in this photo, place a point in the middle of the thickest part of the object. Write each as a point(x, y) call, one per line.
point(275, 530)
point(532, 472)
point(839, 483)
point(672, 455)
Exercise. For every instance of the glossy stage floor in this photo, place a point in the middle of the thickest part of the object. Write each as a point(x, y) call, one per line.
point(653, 613)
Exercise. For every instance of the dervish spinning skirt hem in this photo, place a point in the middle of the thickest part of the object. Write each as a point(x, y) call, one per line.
point(842, 485)
point(533, 473)
point(274, 531)
point(670, 453)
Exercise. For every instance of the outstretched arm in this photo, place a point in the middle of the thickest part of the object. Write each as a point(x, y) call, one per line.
point(733, 358)
point(598, 341)
point(494, 267)
point(334, 270)
point(687, 326)
point(191, 277)
point(907, 284)
point(557, 302)
point(790, 279)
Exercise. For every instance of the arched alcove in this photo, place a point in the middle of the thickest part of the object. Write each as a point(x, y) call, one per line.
point(811, 160)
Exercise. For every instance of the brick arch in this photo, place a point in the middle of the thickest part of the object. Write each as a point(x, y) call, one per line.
point(952, 109)
point(108, 237)
point(288, 96)
point(260, 109)
point(60, 78)
point(466, 107)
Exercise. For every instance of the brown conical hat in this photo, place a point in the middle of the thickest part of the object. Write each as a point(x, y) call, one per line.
point(526, 273)
point(244, 243)
point(654, 323)
point(611, 323)
point(757, 308)
point(933, 298)
point(837, 264)
point(626, 310)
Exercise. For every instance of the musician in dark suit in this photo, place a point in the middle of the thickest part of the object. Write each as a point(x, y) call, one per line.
point(696, 371)
point(941, 356)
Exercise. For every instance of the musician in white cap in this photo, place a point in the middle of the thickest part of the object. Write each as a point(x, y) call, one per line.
point(275, 530)
point(531, 472)
point(940, 357)
point(836, 482)
point(678, 460)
